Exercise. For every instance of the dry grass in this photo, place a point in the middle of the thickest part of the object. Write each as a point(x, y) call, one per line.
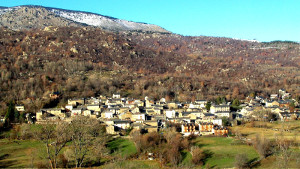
point(269, 130)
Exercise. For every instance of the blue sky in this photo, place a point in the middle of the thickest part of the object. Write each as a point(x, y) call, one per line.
point(263, 20)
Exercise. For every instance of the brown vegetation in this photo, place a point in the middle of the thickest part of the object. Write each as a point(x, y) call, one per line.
point(89, 61)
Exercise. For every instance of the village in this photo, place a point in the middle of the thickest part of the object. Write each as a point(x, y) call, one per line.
point(199, 118)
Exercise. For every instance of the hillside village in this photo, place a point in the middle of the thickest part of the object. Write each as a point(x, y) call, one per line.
point(199, 117)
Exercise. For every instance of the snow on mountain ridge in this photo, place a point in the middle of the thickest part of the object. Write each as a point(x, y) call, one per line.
point(105, 22)
point(86, 18)
point(5, 9)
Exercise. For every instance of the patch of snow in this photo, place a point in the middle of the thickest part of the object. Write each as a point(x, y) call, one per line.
point(4, 10)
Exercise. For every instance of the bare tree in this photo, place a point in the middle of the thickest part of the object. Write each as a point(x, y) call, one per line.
point(284, 152)
point(263, 146)
point(137, 139)
point(55, 137)
point(85, 133)
point(197, 155)
point(241, 161)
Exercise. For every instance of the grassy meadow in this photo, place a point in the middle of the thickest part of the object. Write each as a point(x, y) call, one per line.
point(220, 152)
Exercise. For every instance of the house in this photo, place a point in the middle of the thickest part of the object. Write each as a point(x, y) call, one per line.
point(208, 116)
point(158, 111)
point(223, 114)
point(286, 116)
point(171, 114)
point(172, 105)
point(217, 122)
point(219, 108)
point(148, 102)
point(76, 102)
point(135, 110)
point(138, 116)
point(115, 110)
point(220, 131)
point(281, 92)
point(122, 124)
point(108, 114)
point(246, 111)
point(179, 120)
point(150, 129)
point(69, 107)
point(77, 111)
point(284, 103)
point(54, 95)
point(189, 128)
point(206, 128)
point(116, 96)
point(189, 117)
point(125, 115)
point(88, 112)
point(273, 96)
point(202, 103)
point(51, 114)
point(20, 108)
point(194, 106)
point(94, 107)
point(2, 119)
point(151, 123)
point(275, 104)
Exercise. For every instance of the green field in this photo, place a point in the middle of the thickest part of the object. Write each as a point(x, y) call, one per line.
point(123, 147)
point(132, 164)
point(18, 153)
point(221, 151)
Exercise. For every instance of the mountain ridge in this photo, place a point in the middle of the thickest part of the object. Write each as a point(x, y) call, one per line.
point(82, 17)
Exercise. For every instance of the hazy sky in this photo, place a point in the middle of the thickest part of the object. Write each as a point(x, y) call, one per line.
point(263, 20)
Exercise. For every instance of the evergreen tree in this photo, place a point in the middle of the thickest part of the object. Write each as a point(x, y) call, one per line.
point(236, 103)
point(218, 100)
point(11, 113)
point(208, 105)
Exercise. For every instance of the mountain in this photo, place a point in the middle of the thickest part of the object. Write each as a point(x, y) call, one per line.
point(27, 17)
point(63, 53)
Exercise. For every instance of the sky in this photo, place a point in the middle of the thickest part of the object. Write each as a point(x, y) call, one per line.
point(262, 20)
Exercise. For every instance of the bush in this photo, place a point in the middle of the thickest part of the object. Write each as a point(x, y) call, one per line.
point(198, 155)
point(241, 161)
point(25, 131)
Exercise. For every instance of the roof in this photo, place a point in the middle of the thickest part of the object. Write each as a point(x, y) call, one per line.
point(208, 114)
point(121, 121)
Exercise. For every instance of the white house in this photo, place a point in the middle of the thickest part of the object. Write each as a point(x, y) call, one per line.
point(116, 96)
point(170, 113)
point(223, 114)
point(218, 122)
point(69, 107)
point(138, 116)
point(76, 111)
point(219, 108)
point(202, 103)
point(123, 124)
point(108, 114)
point(20, 108)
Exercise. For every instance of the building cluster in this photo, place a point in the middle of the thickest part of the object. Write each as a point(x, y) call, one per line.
point(120, 114)
point(279, 104)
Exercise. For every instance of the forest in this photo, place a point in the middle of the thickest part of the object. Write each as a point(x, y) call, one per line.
point(87, 61)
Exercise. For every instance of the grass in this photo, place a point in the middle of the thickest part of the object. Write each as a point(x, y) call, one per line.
point(186, 158)
point(22, 153)
point(270, 130)
point(17, 154)
point(221, 153)
point(123, 147)
point(132, 164)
